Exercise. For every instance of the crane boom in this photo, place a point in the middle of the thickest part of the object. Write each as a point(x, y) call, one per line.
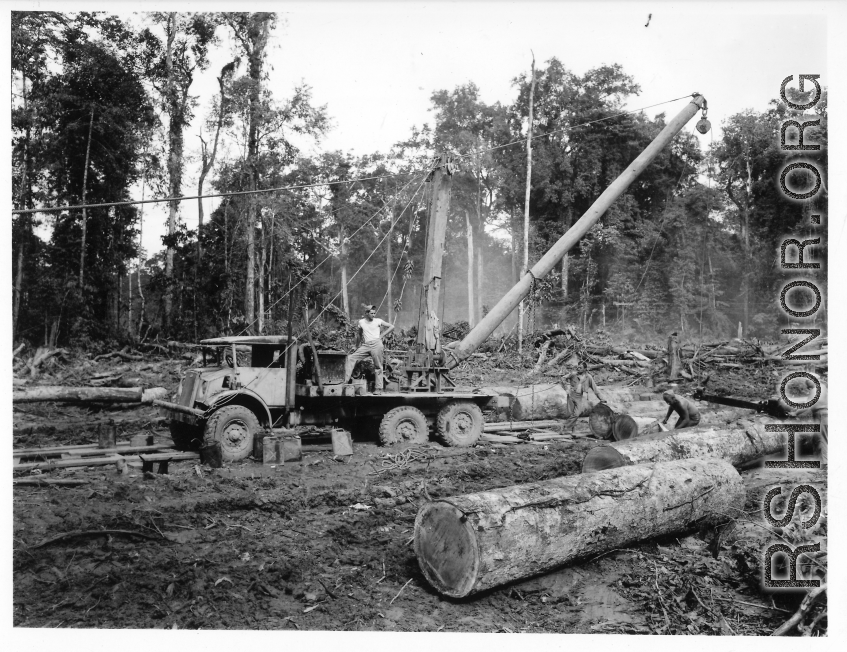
point(547, 262)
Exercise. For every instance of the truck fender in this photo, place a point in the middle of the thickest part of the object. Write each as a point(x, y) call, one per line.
point(235, 397)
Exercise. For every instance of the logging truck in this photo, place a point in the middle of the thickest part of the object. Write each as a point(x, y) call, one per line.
point(280, 385)
point(230, 403)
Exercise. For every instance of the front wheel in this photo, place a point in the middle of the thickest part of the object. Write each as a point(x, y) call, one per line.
point(460, 423)
point(234, 427)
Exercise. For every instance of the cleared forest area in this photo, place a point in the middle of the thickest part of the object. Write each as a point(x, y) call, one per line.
point(542, 282)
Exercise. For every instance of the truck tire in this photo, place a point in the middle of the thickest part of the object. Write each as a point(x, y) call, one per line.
point(186, 437)
point(404, 425)
point(460, 423)
point(234, 427)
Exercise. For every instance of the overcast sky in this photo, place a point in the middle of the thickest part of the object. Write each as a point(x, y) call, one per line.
point(375, 65)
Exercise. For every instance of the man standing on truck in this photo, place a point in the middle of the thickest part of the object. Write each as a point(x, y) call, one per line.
point(688, 413)
point(369, 343)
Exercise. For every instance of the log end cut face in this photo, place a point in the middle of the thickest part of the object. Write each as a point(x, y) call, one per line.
point(601, 458)
point(447, 549)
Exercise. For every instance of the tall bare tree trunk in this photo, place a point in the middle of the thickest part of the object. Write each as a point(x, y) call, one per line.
point(119, 303)
point(566, 258)
point(263, 255)
point(129, 302)
point(522, 306)
point(388, 276)
point(471, 302)
point(479, 234)
point(208, 158)
point(23, 220)
point(19, 275)
point(515, 243)
point(345, 300)
point(258, 34)
point(84, 211)
point(479, 278)
point(250, 285)
point(269, 279)
point(141, 260)
point(745, 237)
point(175, 143)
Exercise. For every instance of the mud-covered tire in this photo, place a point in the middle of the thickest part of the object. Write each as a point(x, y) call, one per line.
point(234, 427)
point(460, 424)
point(186, 437)
point(404, 425)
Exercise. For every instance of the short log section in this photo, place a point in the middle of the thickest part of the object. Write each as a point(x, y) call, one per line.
point(467, 544)
point(738, 445)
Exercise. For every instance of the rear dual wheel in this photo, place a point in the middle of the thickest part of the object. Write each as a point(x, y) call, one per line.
point(460, 423)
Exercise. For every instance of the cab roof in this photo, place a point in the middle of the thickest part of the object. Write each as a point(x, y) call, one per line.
point(268, 340)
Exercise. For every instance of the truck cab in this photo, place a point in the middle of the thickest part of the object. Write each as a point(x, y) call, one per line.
point(235, 393)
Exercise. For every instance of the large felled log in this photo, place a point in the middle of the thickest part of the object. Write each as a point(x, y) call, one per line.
point(79, 394)
point(466, 544)
point(550, 400)
point(743, 443)
point(543, 401)
point(88, 425)
point(154, 394)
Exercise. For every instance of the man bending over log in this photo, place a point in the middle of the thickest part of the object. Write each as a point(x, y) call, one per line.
point(580, 381)
point(688, 413)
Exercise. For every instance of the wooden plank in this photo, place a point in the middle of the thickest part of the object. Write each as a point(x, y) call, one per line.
point(66, 464)
point(61, 449)
point(104, 461)
point(89, 451)
point(500, 439)
point(40, 482)
point(506, 426)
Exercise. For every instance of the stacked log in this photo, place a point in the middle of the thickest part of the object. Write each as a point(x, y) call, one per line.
point(79, 394)
point(739, 445)
point(89, 394)
point(467, 544)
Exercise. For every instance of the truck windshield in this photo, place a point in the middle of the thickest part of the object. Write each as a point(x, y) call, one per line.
point(212, 356)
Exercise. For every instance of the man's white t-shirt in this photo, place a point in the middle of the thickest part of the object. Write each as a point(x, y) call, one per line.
point(370, 329)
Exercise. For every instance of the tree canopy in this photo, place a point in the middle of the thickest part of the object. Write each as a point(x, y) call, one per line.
point(100, 109)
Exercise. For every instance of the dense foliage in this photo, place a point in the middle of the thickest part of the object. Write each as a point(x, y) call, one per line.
point(100, 105)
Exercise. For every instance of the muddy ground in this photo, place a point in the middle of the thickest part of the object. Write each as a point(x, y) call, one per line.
point(326, 544)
